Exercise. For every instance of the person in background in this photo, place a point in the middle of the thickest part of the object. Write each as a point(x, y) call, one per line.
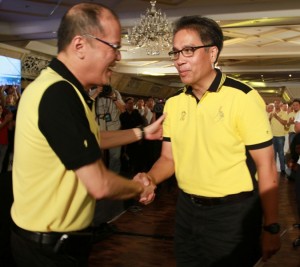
point(149, 114)
point(212, 130)
point(294, 164)
point(109, 107)
point(131, 118)
point(5, 121)
point(140, 106)
point(278, 120)
point(291, 118)
point(295, 107)
point(10, 96)
point(270, 109)
point(58, 171)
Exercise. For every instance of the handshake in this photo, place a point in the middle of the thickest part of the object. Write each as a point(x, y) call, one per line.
point(148, 193)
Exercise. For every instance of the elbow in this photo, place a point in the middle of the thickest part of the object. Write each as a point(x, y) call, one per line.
point(101, 189)
point(99, 193)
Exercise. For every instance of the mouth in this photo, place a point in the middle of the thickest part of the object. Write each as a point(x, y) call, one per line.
point(183, 73)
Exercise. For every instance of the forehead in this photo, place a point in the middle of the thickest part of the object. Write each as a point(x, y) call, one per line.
point(110, 24)
point(186, 36)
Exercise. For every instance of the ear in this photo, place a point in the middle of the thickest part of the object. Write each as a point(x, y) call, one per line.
point(79, 45)
point(214, 54)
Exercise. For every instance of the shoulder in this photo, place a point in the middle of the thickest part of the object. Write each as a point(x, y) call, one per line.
point(238, 85)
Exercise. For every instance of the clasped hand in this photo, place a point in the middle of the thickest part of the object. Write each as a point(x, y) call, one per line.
point(148, 194)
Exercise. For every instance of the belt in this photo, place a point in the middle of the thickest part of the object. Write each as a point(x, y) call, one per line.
point(48, 238)
point(213, 201)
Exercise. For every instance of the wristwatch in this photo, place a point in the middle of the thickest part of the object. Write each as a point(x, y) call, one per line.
point(273, 228)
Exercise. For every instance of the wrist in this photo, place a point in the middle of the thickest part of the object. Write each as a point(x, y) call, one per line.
point(138, 132)
point(151, 179)
point(143, 135)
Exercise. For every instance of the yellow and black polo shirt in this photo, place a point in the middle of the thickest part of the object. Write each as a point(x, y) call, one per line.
point(56, 133)
point(210, 137)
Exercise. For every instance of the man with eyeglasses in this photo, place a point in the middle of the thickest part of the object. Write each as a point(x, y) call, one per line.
point(58, 171)
point(217, 140)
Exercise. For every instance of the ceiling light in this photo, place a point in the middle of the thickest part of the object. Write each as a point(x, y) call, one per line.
point(153, 32)
point(153, 73)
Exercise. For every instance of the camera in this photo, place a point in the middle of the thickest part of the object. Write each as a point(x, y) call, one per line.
point(107, 91)
point(159, 106)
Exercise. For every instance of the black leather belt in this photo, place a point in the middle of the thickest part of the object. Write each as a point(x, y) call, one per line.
point(213, 201)
point(48, 238)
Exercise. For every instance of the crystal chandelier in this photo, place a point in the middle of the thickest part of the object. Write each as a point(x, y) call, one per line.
point(153, 32)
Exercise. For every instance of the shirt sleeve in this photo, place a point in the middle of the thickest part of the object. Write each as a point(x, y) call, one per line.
point(63, 122)
point(297, 117)
point(252, 122)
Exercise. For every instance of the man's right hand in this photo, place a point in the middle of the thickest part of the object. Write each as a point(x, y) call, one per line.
point(148, 194)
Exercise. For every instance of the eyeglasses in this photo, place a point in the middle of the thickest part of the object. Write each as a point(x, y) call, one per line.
point(186, 52)
point(116, 47)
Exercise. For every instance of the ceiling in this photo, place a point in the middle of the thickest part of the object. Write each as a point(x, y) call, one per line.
point(262, 39)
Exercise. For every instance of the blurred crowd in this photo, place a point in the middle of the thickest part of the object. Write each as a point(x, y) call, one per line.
point(10, 96)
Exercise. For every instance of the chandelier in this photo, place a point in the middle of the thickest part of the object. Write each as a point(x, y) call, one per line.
point(153, 32)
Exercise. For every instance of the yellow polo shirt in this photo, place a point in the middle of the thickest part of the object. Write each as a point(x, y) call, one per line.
point(209, 137)
point(47, 196)
point(277, 128)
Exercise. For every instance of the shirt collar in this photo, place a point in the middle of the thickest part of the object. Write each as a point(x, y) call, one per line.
point(214, 87)
point(63, 71)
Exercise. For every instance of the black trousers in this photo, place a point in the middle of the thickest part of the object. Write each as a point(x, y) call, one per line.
point(26, 253)
point(224, 235)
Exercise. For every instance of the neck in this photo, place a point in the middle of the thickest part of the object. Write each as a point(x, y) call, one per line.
point(203, 85)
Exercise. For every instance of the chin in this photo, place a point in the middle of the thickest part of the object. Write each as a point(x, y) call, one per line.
point(185, 80)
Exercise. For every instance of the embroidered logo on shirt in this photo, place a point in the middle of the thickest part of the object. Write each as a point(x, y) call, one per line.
point(183, 114)
point(220, 114)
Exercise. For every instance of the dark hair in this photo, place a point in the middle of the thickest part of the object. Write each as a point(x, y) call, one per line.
point(296, 100)
point(128, 99)
point(209, 30)
point(78, 20)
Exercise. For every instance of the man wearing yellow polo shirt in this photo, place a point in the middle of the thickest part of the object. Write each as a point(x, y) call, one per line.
point(58, 171)
point(212, 128)
point(278, 120)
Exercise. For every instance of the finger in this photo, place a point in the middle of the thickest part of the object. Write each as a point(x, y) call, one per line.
point(161, 118)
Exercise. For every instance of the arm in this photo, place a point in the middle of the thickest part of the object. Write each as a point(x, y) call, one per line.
point(117, 99)
point(290, 121)
point(16, 93)
point(109, 139)
point(120, 106)
point(268, 190)
point(94, 93)
point(283, 122)
point(102, 183)
point(162, 169)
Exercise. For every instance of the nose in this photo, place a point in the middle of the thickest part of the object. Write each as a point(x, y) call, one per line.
point(179, 61)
